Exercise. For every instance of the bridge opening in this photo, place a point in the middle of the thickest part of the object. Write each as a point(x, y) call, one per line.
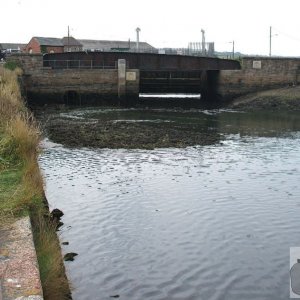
point(72, 98)
point(170, 96)
point(171, 100)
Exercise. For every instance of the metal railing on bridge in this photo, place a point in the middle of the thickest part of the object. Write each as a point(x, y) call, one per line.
point(76, 64)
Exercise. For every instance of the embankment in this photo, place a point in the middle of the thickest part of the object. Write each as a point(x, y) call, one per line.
point(22, 195)
point(282, 98)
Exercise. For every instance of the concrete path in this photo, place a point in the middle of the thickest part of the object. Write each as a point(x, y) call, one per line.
point(19, 273)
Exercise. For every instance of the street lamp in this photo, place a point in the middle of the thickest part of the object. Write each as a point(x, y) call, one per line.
point(138, 39)
point(203, 41)
point(232, 49)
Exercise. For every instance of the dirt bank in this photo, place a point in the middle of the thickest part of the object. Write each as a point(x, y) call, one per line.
point(275, 99)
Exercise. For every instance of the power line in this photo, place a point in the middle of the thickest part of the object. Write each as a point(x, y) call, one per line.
point(287, 35)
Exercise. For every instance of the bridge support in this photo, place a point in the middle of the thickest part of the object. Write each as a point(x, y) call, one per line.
point(121, 78)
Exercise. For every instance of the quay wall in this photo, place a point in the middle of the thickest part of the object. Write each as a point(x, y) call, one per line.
point(258, 74)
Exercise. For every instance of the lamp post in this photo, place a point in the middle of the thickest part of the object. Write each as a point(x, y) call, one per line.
point(138, 39)
point(203, 41)
point(232, 49)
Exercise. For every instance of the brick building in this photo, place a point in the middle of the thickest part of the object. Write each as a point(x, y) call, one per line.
point(52, 45)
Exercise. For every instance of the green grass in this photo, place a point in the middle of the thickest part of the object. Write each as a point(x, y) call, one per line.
point(11, 65)
point(10, 192)
point(52, 270)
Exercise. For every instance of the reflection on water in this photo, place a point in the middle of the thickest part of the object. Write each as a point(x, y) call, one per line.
point(224, 121)
point(203, 222)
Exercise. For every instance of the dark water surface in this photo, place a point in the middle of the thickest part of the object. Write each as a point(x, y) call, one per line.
point(202, 222)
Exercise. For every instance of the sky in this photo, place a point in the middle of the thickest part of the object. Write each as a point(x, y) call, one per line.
point(163, 23)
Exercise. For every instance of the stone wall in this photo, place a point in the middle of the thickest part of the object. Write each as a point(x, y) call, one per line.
point(77, 86)
point(258, 74)
point(30, 62)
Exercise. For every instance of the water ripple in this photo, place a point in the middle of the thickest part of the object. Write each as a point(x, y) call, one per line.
point(212, 222)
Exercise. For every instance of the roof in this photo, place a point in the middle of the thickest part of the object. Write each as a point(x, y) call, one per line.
point(108, 45)
point(49, 41)
point(70, 41)
point(4, 46)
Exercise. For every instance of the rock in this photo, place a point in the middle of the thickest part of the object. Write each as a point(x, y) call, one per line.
point(56, 213)
point(59, 224)
point(70, 256)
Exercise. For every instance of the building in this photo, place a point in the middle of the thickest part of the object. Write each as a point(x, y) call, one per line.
point(70, 44)
point(11, 47)
point(104, 45)
point(44, 45)
point(52, 45)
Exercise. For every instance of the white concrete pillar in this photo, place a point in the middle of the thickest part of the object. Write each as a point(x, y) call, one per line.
point(121, 77)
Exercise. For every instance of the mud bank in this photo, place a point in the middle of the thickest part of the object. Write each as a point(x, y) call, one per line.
point(111, 134)
point(275, 99)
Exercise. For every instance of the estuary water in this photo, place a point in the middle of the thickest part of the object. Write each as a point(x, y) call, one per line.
point(202, 222)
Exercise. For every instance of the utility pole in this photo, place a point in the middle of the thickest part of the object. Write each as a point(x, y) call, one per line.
point(138, 39)
point(270, 52)
point(232, 49)
point(68, 49)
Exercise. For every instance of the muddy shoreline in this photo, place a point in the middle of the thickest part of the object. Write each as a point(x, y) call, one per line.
point(287, 98)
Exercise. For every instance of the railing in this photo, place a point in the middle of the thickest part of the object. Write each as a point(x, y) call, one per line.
point(76, 64)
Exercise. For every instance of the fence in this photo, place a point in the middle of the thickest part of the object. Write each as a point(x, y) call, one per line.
point(77, 64)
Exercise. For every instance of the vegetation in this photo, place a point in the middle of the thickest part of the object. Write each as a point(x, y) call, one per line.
point(11, 65)
point(21, 183)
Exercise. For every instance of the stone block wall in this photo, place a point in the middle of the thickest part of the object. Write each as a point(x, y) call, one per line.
point(258, 74)
point(77, 85)
point(30, 63)
point(44, 85)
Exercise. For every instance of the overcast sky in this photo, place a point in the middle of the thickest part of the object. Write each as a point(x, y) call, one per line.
point(163, 23)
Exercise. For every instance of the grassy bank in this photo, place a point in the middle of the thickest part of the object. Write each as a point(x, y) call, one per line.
point(21, 183)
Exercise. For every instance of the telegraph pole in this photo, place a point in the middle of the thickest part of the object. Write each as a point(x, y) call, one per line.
point(270, 53)
point(68, 39)
point(232, 49)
